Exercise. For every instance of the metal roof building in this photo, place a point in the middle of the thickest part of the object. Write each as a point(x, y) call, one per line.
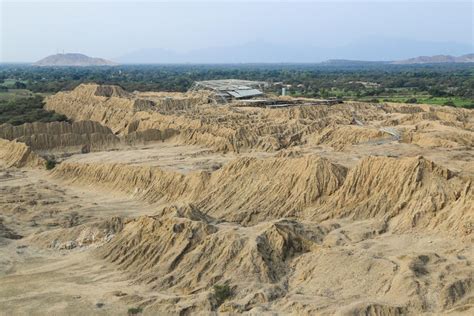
point(228, 89)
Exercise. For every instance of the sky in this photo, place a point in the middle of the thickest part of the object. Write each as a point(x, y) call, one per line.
point(31, 30)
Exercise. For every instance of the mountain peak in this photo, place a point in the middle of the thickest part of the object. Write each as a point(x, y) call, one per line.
point(73, 59)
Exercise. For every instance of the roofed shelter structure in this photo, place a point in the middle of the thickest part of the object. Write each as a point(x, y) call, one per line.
point(228, 89)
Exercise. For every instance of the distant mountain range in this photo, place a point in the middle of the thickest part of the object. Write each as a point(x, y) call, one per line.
point(261, 51)
point(437, 59)
point(73, 59)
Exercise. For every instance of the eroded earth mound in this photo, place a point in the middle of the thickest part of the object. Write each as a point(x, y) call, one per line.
point(166, 203)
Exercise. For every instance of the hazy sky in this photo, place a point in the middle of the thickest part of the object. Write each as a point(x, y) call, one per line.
point(31, 30)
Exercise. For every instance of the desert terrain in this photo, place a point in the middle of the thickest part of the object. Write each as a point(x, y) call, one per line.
point(165, 203)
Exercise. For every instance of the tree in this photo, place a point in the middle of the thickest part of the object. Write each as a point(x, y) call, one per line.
point(324, 93)
point(19, 85)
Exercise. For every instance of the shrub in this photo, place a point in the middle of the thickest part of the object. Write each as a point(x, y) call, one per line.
point(222, 293)
point(469, 106)
point(50, 164)
point(411, 100)
point(449, 103)
point(19, 85)
point(134, 310)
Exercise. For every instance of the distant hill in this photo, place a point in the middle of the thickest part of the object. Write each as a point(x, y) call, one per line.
point(73, 59)
point(469, 58)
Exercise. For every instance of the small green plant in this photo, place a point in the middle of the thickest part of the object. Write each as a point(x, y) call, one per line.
point(222, 293)
point(50, 164)
point(134, 310)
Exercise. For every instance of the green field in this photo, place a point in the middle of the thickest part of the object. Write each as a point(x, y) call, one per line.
point(10, 82)
point(458, 102)
point(15, 94)
point(12, 94)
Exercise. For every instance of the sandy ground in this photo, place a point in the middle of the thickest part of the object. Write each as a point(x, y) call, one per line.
point(46, 282)
point(166, 155)
point(37, 281)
